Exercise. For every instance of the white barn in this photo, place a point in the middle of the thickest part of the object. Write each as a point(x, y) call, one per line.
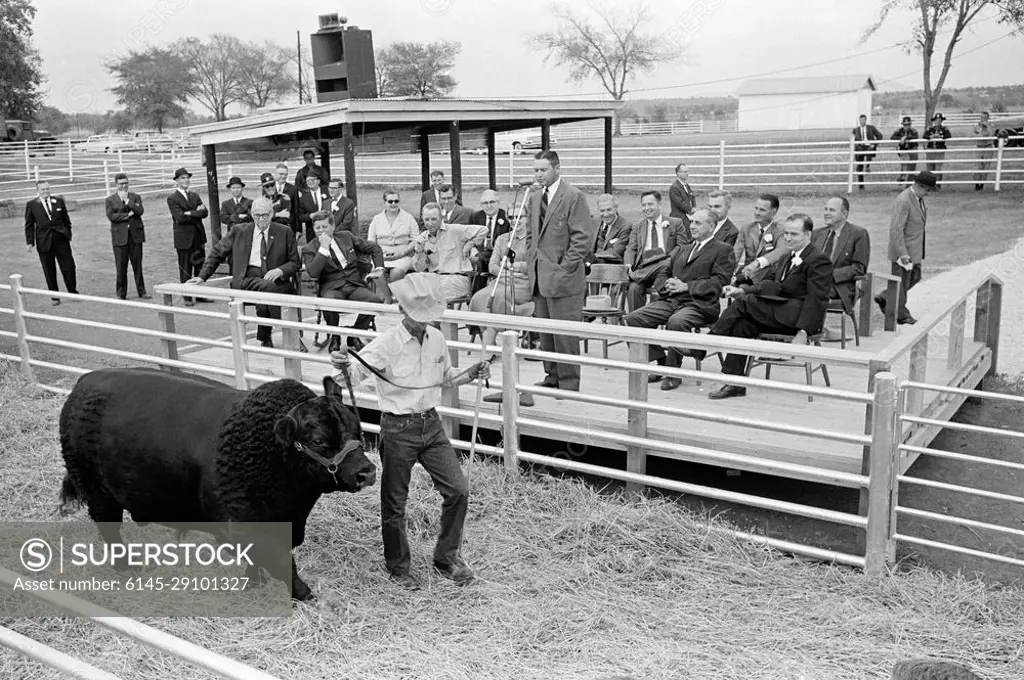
point(804, 103)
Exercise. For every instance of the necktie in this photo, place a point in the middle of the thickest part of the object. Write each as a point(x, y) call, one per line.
point(693, 253)
point(490, 232)
point(924, 215)
point(830, 242)
point(46, 207)
point(334, 256)
point(318, 206)
point(655, 240)
point(603, 238)
point(787, 268)
point(263, 249)
point(543, 204)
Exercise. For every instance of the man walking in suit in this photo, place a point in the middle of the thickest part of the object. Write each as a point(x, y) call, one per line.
point(849, 248)
point(48, 230)
point(561, 235)
point(688, 290)
point(680, 196)
point(653, 232)
point(906, 242)
point(760, 243)
point(187, 213)
point(495, 219)
point(264, 257)
point(719, 202)
point(613, 232)
point(342, 208)
point(235, 210)
point(312, 200)
point(127, 234)
point(332, 260)
point(865, 137)
point(791, 300)
point(451, 211)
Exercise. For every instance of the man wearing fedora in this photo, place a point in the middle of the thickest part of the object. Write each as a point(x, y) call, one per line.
point(937, 135)
point(187, 213)
point(906, 242)
point(127, 234)
point(688, 290)
point(264, 258)
point(235, 210)
point(411, 363)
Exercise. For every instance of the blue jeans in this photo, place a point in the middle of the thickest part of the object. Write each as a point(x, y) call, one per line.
point(404, 441)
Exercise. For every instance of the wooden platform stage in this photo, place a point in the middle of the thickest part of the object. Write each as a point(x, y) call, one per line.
point(738, 435)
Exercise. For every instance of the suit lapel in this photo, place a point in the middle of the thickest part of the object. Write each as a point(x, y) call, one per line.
point(842, 242)
point(552, 206)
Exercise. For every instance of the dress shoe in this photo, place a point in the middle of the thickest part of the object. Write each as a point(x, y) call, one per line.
point(652, 378)
point(698, 354)
point(546, 383)
point(670, 384)
point(267, 343)
point(334, 345)
point(122, 297)
point(496, 398)
point(880, 301)
point(908, 320)
point(727, 391)
point(459, 573)
point(55, 302)
point(145, 296)
point(189, 303)
point(407, 581)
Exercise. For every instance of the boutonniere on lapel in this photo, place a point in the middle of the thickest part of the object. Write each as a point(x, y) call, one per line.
point(768, 238)
point(501, 221)
point(796, 261)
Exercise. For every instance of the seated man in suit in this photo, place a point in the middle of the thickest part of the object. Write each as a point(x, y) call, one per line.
point(760, 243)
point(281, 202)
point(342, 208)
point(433, 194)
point(654, 232)
point(264, 257)
point(688, 290)
point(313, 199)
point(720, 202)
point(332, 260)
point(612, 233)
point(452, 212)
point(496, 220)
point(235, 210)
point(791, 300)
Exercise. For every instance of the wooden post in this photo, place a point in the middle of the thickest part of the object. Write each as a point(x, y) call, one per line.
point(892, 295)
point(290, 340)
point(210, 160)
point(455, 147)
point(348, 147)
point(918, 373)
point(545, 134)
point(955, 346)
point(608, 155)
point(71, 163)
point(424, 160)
point(875, 368)
point(636, 457)
point(864, 305)
point(510, 400)
point(883, 469)
point(325, 157)
point(28, 164)
point(721, 165)
point(988, 313)
point(999, 165)
point(167, 323)
point(18, 304)
point(241, 359)
point(450, 395)
point(849, 173)
point(492, 166)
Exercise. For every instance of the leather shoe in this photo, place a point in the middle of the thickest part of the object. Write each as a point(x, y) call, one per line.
point(909, 320)
point(459, 573)
point(880, 301)
point(545, 383)
point(670, 384)
point(145, 296)
point(407, 581)
point(652, 378)
point(496, 398)
point(267, 343)
point(727, 391)
point(55, 302)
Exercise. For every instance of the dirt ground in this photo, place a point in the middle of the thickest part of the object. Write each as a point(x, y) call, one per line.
point(969, 227)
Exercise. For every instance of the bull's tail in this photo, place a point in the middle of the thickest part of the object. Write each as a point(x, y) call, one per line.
point(70, 497)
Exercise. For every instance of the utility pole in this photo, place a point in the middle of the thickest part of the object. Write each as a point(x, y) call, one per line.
point(298, 59)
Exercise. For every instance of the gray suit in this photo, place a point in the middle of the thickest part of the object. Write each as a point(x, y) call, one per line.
point(906, 237)
point(750, 246)
point(610, 246)
point(851, 255)
point(676, 234)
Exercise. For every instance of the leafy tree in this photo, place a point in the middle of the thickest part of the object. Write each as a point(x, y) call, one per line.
point(216, 74)
point(52, 119)
point(614, 51)
point(153, 85)
point(935, 17)
point(415, 69)
point(263, 73)
point(21, 73)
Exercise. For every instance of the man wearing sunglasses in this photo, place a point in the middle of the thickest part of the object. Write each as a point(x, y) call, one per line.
point(281, 203)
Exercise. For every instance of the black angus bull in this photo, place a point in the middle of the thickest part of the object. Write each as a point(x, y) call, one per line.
point(175, 448)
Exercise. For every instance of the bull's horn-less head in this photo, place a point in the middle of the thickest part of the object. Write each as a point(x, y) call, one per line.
point(328, 433)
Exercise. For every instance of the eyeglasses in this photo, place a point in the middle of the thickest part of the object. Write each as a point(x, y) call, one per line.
point(488, 202)
point(393, 201)
point(261, 215)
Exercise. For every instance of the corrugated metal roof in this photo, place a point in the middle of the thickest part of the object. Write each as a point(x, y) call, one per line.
point(814, 85)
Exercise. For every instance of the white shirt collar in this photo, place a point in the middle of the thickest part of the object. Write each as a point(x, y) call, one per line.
point(553, 188)
point(718, 226)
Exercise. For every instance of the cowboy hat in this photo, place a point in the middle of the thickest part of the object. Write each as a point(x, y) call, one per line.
point(599, 303)
point(235, 180)
point(419, 295)
point(181, 171)
point(938, 116)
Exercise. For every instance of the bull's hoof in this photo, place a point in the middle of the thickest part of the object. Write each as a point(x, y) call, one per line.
point(301, 592)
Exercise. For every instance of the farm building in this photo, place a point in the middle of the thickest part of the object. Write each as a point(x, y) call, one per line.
point(804, 103)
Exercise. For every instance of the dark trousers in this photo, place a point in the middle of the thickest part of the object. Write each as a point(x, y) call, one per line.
point(908, 279)
point(676, 317)
point(59, 254)
point(863, 161)
point(746, 317)
point(254, 281)
point(129, 252)
point(405, 440)
point(636, 294)
point(356, 293)
point(190, 262)
point(561, 375)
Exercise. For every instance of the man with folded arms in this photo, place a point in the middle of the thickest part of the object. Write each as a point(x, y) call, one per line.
point(445, 249)
point(688, 290)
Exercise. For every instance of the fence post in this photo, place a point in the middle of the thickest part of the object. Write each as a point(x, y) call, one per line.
point(999, 162)
point(71, 163)
point(987, 318)
point(450, 395)
point(636, 457)
point(28, 167)
point(702, 126)
point(231, 171)
point(511, 169)
point(883, 469)
point(290, 340)
point(510, 400)
point(849, 175)
point(18, 304)
point(35, 171)
point(120, 160)
point(241, 359)
point(167, 323)
point(106, 176)
point(721, 165)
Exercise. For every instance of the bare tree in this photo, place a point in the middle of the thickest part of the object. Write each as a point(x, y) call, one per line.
point(614, 51)
point(263, 73)
point(414, 69)
point(216, 78)
point(935, 17)
point(308, 91)
point(382, 72)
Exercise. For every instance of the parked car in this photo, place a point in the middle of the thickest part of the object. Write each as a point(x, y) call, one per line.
point(1011, 129)
point(106, 143)
point(519, 140)
point(151, 141)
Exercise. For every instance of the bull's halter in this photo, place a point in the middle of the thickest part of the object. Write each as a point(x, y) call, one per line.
point(332, 464)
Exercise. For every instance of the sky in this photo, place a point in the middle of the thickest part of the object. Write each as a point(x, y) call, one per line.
point(724, 41)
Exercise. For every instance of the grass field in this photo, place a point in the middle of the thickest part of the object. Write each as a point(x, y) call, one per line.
point(572, 584)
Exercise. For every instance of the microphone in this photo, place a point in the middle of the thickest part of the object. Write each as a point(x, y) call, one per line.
point(511, 256)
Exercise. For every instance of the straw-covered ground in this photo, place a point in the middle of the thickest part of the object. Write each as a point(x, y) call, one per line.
point(572, 584)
